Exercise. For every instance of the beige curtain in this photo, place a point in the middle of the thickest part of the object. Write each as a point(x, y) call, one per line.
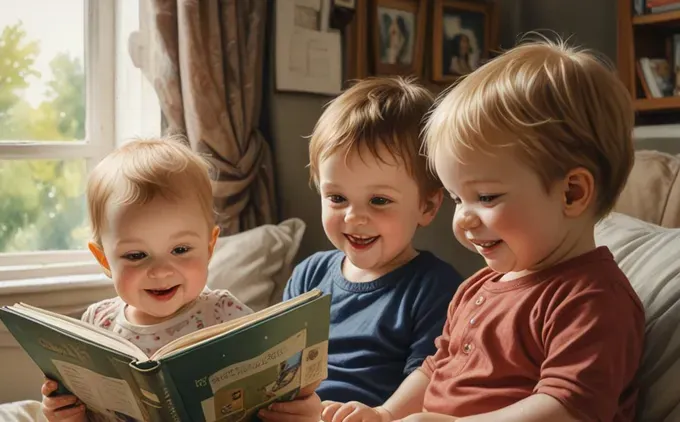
point(206, 67)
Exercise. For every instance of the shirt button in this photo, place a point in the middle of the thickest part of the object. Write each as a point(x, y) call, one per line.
point(473, 321)
point(479, 300)
point(467, 348)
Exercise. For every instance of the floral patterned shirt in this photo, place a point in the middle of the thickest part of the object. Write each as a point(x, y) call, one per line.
point(210, 308)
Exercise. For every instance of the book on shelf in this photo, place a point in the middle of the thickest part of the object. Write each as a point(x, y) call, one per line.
point(657, 75)
point(675, 59)
point(226, 372)
point(643, 80)
point(661, 6)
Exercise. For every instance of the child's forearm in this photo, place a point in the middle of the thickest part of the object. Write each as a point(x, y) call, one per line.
point(535, 408)
point(408, 399)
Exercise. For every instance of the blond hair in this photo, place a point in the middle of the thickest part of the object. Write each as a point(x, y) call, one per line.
point(140, 170)
point(556, 106)
point(376, 112)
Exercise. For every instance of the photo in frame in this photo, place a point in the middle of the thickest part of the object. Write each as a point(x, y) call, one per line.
point(461, 37)
point(398, 36)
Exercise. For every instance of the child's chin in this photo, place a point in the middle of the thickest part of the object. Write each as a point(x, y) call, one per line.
point(497, 266)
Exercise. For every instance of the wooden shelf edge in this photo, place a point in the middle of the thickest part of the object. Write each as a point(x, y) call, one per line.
point(653, 18)
point(657, 104)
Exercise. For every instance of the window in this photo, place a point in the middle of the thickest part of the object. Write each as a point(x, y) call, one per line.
point(65, 73)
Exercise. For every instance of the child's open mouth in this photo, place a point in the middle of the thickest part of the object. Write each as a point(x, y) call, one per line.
point(163, 294)
point(361, 242)
point(486, 247)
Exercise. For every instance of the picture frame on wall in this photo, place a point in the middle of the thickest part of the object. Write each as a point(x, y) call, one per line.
point(462, 33)
point(398, 36)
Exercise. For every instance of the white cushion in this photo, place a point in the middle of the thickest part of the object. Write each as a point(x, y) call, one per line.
point(256, 264)
point(650, 256)
point(21, 411)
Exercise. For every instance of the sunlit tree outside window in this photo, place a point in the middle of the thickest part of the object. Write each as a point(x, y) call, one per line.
point(42, 99)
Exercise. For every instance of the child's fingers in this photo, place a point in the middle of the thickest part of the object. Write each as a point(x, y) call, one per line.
point(295, 407)
point(70, 414)
point(48, 387)
point(357, 416)
point(56, 403)
point(329, 410)
point(270, 416)
point(301, 409)
point(343, 412)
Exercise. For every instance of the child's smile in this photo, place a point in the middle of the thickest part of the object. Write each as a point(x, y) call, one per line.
point(361, 242)
point(163, 294)
point(486, 247)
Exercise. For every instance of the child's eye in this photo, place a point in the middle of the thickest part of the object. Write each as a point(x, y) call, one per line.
point(487, 198)
point(456, 200)
point(134, 256)
point(336, 199)
point(380, 201)
point(181, 250)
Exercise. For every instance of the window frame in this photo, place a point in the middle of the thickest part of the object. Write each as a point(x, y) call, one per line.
point(102, 62)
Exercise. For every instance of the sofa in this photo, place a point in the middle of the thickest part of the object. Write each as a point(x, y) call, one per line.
point(643, 233)
point(644, 236)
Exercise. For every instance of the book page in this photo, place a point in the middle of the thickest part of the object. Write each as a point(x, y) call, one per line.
point(205, 334)
point(275, 373)
point(103, 394)
point(81, 329)
point(314, 363)
point(268, 359)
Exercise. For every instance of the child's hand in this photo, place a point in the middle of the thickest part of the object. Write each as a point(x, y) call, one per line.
point(51, 405)
point(352, 412)
point(304, 409)
point(428, 417)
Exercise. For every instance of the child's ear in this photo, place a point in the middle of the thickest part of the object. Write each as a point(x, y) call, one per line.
point(98, 253)
point(213, 240)
point(430, 207)
point(578, 191)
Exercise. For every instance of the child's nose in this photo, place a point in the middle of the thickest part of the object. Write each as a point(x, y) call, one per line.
point(466, 220)
point(160, 270)
point(355, 215)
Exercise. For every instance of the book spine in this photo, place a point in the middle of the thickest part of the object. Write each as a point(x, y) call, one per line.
point(665, 8)
point(649, 77)
point(160, 395)
point(657, 3)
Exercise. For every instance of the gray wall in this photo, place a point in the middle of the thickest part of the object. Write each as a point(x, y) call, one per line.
point(591, 22)
point(291, 116)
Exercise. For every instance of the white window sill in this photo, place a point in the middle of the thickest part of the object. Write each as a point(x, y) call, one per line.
point(65, 294)
point(657, 131)
point(54, 284)
point(26, 271)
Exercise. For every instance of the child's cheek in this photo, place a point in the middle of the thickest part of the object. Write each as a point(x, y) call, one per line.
point(128, 277)
point(195, 268)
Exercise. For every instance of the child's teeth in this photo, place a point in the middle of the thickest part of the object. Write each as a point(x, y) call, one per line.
point(361, 240)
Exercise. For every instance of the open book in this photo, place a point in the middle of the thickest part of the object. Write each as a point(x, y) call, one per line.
point(226, 372)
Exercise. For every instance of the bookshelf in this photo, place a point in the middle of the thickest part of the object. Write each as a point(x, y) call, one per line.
point(648, 35)
point(657, 104)
point(668, 18)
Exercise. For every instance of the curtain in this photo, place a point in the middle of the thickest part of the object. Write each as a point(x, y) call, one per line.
point(206, 67)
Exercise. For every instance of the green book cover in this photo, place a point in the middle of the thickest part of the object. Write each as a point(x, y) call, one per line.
point(222, 373)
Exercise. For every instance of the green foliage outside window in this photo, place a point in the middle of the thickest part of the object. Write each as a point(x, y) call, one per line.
point(41, 201)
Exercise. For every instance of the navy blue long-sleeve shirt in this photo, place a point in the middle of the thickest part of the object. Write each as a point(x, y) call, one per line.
point(380, 330)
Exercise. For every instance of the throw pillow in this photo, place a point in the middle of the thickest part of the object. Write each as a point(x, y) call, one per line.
point(649, 256)
point(255, 265)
